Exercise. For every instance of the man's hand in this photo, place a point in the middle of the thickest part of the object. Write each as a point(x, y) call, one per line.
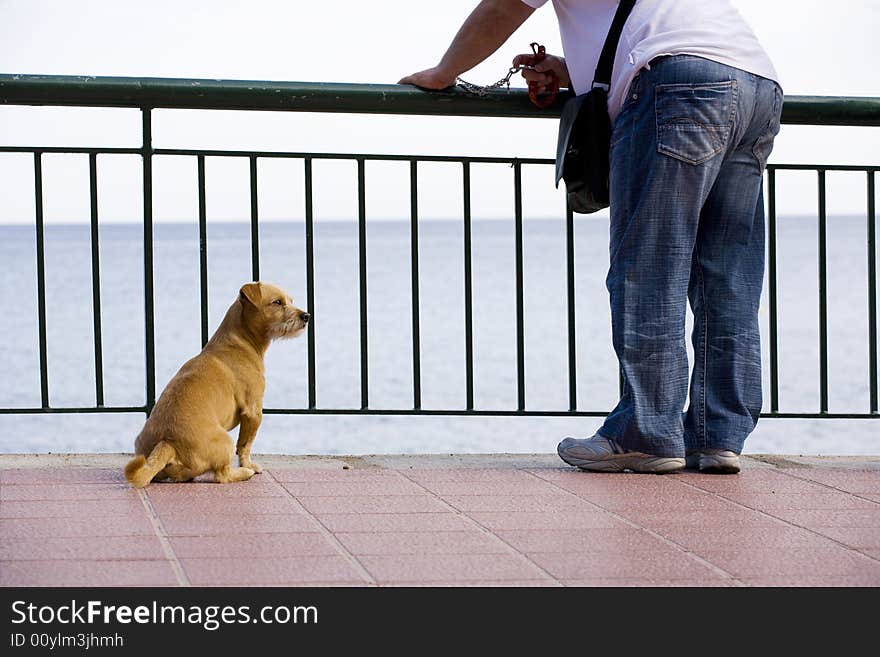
point(540, 75)
point(432, 78)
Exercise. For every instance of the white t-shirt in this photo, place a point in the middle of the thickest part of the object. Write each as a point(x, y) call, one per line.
point(713, 29)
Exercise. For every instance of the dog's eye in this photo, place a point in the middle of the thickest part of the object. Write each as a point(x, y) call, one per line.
point(278, 302)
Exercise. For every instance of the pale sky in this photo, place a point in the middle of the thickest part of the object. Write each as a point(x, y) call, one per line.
point(819, 48)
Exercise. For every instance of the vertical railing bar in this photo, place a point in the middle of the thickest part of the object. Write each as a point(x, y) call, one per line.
point(310, 279)
point(520, 338)
point(414, 267)
point(255, 223)
point(823, 296)
point(872, 292)
point(149, 318)
point(772, 289)
point(570, 288)
point(468, 289)
point(96, 280)
point(203, 249)
point(41, 278)
point(362, 261)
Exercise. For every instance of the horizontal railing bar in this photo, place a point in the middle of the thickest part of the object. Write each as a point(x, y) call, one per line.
point(418, 411)
point(825, 167)
point(379, 157)
point(62, 410)
point(177, 93)
point(84, 150)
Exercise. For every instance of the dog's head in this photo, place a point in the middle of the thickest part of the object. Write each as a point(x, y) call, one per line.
point(269, 311)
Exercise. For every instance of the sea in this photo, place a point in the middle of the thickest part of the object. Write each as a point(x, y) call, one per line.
point(70, 336)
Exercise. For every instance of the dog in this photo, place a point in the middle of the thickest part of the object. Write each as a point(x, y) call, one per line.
point(220, 388)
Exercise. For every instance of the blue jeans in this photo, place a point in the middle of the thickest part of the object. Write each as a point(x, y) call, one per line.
point(688, 152)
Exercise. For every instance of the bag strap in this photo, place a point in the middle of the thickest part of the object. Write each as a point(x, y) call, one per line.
point(606, 59)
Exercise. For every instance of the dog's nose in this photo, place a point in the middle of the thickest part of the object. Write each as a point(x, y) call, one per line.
point(304, 316)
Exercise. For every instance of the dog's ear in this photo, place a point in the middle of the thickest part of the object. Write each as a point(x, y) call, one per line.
point(251, 293)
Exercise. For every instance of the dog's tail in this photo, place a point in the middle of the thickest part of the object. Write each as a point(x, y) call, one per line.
point(140, 471)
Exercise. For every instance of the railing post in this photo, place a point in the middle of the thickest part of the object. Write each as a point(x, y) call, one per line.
point(520, 323)
point(41, 278)
point(203, 249)
point(149, 325)
point(771, 285)
point(468, 288)
point(414, 272)
point(872, 291)
point(96, 280)
point(310, 277)
point(823, 297)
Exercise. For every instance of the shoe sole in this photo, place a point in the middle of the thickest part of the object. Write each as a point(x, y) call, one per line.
point(714, 463)
point(634, 461)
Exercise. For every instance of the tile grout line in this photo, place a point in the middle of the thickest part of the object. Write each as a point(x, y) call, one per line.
point(161, 534)
point(327, 534)
point(681, 548)
point(482, 528)
point(781, 520)
point(829, 486)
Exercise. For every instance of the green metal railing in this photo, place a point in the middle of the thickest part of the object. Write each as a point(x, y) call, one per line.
point(147, 94)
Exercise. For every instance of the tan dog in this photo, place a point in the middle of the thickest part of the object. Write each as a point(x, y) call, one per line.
point(186, 434)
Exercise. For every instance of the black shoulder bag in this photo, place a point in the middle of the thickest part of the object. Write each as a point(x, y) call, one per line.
point(585, 131)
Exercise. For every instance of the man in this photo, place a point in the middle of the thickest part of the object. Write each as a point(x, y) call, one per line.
point(695, 107)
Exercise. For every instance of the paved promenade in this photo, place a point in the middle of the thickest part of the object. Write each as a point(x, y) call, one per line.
point(429, 520)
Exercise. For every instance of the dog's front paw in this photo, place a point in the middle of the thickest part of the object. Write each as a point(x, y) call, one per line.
point(256, 467)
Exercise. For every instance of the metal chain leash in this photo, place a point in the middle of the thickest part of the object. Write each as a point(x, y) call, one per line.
point(481, 91)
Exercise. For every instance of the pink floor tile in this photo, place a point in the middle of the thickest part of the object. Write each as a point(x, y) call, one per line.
point(731, 519)
point(543, 502)
point(390, 543)
point(131, 525)
point(87, 573)
point(455, 567)
point(745, 483)
point(481, 475)
point(232, 507)
point(84, 548)
point(252, 546)
point(800, 501)
point(563, 520)
point(581, 540)
point(639, 582)
point(659, 564)
point(61, 476)
point(335, 475)
point(524, 487)
point(108, 491)
point(744, 537)
point(806, 580)
point(394, 522)
point(662, 502)
point(383, 486)
point(857, 537)
point(185, 524)
point(374, 504)
point(276, 571)
point(71, 508)
point(814, 562)
point(830, 517)
point(853, 481)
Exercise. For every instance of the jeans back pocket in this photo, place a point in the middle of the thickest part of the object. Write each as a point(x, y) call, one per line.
point(694, 121)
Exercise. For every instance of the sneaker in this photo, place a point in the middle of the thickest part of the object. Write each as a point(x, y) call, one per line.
point(598, 454)
point(718, 461)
